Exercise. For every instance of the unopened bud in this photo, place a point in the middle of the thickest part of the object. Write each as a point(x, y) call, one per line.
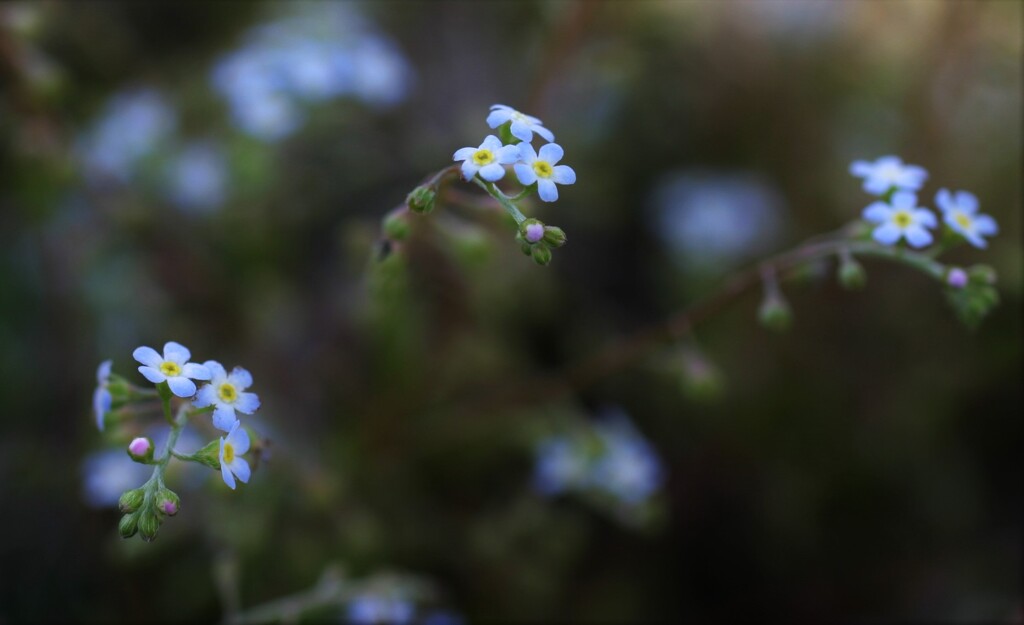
point(149, 525)
point(167, 502)
point(554, 236)
point(956, 278)
point(131, 500)
point(534, 233)
point(141, 450)
point(982, 274)
point(851, 274)
point(209, 455)
point(541, 254)
point(421, 199)
point(775, 313)
point(128, 525)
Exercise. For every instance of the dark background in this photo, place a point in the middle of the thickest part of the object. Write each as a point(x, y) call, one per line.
point(865, 465)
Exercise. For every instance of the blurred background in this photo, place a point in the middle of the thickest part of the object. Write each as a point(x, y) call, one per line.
point(216, 173)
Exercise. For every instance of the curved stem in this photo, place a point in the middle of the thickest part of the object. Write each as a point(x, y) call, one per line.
point(504, 200)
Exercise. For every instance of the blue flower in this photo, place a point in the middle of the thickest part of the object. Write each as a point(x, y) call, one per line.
point(132, 126)
point(173, 367)
point(628, 469)
point(226, 392)
point(960, 212)
point(374, 609)
point(197, 177)
point(232, 447)
point(901, 219)
point(487, 160)
point(101, 398)
point(562, 464)
point(888, 173)
point(522, 127)
point(542, 169)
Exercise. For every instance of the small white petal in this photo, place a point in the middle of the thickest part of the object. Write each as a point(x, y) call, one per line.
point(547, 190)
point(925, 217)
point(196, 371)
point(224, 417)
point(176, 352)
point(216, 369)
point(101, 401)
point(205, 397)
point(498, 117)
point(563, 174)
point(913, 177)
point(552, 153)
point(878, 212)
point(463, 153)
point(904, 200)
point(887, 234)
point(508, 154)
point(225, 473)
point(247, 403)
point(238, 438)
point(492, 172)
point(240, 468)
point(944, 200)
point(967, 201)
point(491, 143)
point(103, 371)
point(469, 169)
point(525, 174)
point(544, 132)
point(986, 225)
point(526, 153)
point(917, 236)
point(240, 378)
point(182, 386)
point(147, 356)
point(153, 375)
point(876, 186)
point(861, 169)
point(975, 240)
point(521, 130)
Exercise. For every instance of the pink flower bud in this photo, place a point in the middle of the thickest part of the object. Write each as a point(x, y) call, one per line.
point(534, 232)
point(169, 507)
point(139, 446)
point(957, 278)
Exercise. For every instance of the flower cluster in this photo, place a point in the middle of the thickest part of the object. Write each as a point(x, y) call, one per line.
point(897, 215)
point(175, 377)
point(608, 461)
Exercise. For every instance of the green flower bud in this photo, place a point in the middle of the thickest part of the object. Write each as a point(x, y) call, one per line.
point(131, 500)
point(982, 274)
point(541, 254)
point(421, 199)
point(128, 525)
point(526, 247)
point(851, 274)
point(209, 455)
point(554, 236)
point(396, 226)
point(167, 502)
point(701, 380)
point(775, 313)
point(149, 524)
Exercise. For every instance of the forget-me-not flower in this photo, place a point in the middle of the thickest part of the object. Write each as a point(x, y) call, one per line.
point(960, 212)
point(542, 169)
point(197, 177)
point(629, 469)
point(562, 465)
point(101, 398)
point(226, 392)
point(232, 447)
point(888, 172)
point(522, 127)
point(173, 367)
point(487, 160)
point(372, 609)
point(903, 219)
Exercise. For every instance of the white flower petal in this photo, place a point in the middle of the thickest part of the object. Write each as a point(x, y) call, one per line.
point(153, 375)
point(967, 201)
point(101, 401)
point(887, 233)
point(182, 386)
point(147, 356)
point(944, 200)
point(247, 403)
point(975, 240)
point(225, 473)
point(196, 371)
point(240, 468)
point(205, 397)
point(103, 371)
point(551, 152)
point(525, 174)
point(491, 143)
point(913, 177)
point(861, 169)
point(876, 186)
point(544, 132)
point(547, 190)
point(521, 130)
point(492, 172)
point(238, 438)
point(563, 174)
point(240, 378)
point(904, 200)
point(498, 117)
point(469, 169)
point(176, 352)
point(224, 417)
point(526, 153)
point(925, 217)
point(917, 236)
point(877, 212)
point(986, 225)
point(463, 153)
point(217, 371)
point(508, 154)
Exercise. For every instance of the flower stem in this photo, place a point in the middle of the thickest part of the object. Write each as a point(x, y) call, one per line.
point(504, 200)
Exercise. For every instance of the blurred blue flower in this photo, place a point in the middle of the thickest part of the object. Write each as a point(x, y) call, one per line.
point(888, 173)
point(322, 52)
point(197, 178)
point(710, 219)
point(442, 617)
point(377, 609)
point(132, 126)
point(101, 397)
point(562, 465)
point(107, 474)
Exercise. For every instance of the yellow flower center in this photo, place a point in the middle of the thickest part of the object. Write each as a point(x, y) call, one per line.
point(542, 168)
point(229, 453)
point(963, 220)
point(902, 219)
point(170, 369)
point(227, 392)
point(483, 157)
